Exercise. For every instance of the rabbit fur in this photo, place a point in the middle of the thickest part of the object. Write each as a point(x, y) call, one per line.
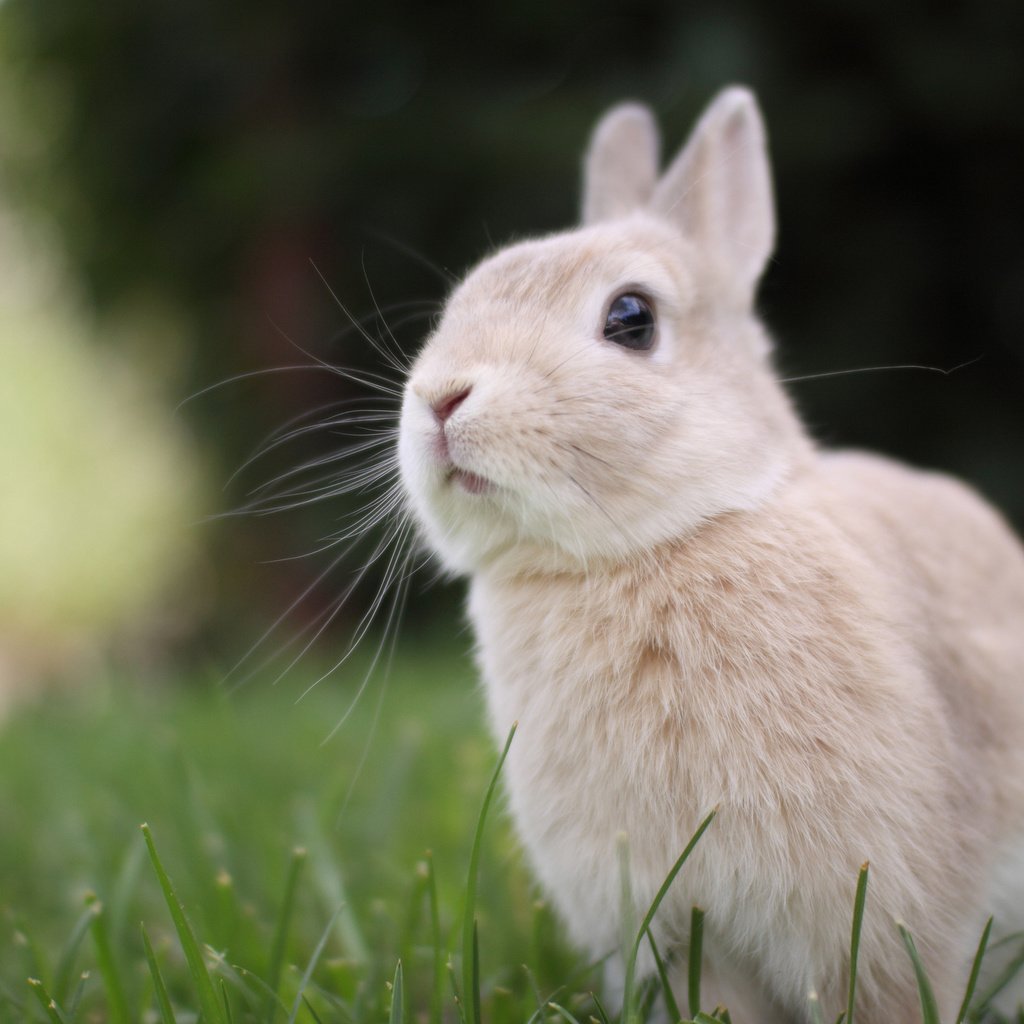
point(686, 604)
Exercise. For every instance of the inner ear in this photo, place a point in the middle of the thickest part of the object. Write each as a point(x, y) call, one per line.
point(718, 191)
point(621, 164)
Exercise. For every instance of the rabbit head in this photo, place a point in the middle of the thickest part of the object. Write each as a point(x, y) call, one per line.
point(594, 393)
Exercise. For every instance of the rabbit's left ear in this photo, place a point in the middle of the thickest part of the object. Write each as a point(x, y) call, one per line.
point(718, 191)
point(621, 164)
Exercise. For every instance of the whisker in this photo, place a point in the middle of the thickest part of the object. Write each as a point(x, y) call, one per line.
point(332, 423)
point(370, 519)
point(267, 371)
point(367, 378)
point(580, 450)
point(878, 369)
point(332, 458)
point(285, 614)
point(400, 532)
point(327, 485)
point(338, 604)
point(378, 345)
point(583, 350)
point(407, 250)
point(401, 360)
point(390, 630)
point(572, 479)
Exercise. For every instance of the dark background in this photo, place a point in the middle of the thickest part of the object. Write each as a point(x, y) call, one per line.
point(209, 153)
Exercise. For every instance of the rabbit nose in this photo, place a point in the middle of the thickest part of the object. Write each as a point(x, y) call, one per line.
point(444, 407)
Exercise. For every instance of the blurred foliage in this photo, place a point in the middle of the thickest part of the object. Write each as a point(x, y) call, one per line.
point(201, 155)
point(100, 486)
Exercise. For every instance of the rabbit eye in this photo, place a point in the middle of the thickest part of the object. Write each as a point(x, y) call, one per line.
point(630, 322)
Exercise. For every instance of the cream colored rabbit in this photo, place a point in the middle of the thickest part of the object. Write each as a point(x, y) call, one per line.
point(686, 604)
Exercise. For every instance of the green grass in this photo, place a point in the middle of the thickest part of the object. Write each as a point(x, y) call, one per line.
point(280, 878)
point(230, 787)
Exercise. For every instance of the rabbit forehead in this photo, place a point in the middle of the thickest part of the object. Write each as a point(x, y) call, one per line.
point(558, 280)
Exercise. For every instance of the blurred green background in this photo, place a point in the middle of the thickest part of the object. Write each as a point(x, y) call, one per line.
point(173, 175)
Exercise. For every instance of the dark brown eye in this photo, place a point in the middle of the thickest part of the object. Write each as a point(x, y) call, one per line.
point(630, 322)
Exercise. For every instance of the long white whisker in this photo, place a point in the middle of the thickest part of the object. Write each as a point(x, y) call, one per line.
point(878, 369)
point(400, 360)
point(288, 611)
point(400, 532)
point(407, 250)
point(332, 458)
point(289, 431)
point(318, 367)
point(394, 612)
point(378, 346)
point(338, 604)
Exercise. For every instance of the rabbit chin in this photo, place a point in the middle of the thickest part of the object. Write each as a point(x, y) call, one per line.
point(518, 518)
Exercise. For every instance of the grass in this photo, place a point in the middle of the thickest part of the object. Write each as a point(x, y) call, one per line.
point(306, 870)
point(280, 878)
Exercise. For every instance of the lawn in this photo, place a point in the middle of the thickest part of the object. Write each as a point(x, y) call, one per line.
point(231, 784)
point(314, 840)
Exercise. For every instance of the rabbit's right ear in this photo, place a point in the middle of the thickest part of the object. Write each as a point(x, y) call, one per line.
point(621, 165)
point(719, 192)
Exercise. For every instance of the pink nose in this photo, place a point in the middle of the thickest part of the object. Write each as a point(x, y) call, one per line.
point(444, 407)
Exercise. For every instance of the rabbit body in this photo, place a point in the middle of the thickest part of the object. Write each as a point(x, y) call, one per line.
point(763, 667)
point(685, 604)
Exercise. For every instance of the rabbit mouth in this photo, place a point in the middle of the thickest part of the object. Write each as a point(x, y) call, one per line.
point(469, 482)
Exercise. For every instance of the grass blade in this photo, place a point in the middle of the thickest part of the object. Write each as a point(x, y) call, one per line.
point(119, 905)
point(30, 954)
point(563, 1013)
point(671, 876)
point(459, 1004)
point(255, 984)
point(75, 999)
point(469, 941)
point(858, 919)
point(332, 886)
point(475, 991)
point(1005, 976)
point(695, 959)
point(629, 1008)
point(671, 1006)
point(117, 1004)
point(814, 1004)
point(224, 1000)
point(47, 1002)
point(627, 913)
point(647, 994)
point(972, 981)
point(602, 1013)
point(66, 963)
point(163, 1001)
point(9, 997)
point(655, 904)
point(311, 966)
point(209, 1004)
point(437, 991)
point(929, 1009)
point(397, 1014)
point(275, 962)
point(532, 993)
point(312, 1012)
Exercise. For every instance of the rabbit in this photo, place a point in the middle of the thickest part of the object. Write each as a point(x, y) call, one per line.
point(686, 603)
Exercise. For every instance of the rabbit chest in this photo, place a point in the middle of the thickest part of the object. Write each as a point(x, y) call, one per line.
point(696, 678)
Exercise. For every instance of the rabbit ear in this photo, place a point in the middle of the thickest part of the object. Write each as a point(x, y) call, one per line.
point(718, 190)
point(621, 165)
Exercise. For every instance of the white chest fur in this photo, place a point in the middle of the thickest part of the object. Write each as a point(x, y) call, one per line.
point(708, 679)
